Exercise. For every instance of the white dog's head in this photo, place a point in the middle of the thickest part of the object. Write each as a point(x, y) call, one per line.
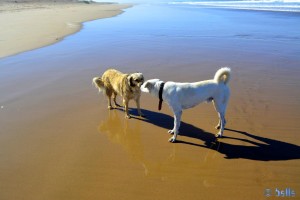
point(136, 79)
point(151, 86)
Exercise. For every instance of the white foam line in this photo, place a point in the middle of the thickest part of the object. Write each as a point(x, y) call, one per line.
point(265, 5)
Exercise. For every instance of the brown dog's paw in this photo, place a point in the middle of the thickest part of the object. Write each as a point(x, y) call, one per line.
point(127, 116)
point(118, 105)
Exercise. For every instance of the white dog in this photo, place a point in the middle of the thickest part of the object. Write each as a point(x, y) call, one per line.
point(181, 96)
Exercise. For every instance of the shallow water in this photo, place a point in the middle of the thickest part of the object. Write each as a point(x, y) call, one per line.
point(261, 5)
point(264, 5)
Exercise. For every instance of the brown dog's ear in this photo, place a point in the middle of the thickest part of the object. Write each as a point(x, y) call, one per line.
point(131, 82)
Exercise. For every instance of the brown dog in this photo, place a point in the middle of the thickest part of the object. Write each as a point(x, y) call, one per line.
point(128, 86)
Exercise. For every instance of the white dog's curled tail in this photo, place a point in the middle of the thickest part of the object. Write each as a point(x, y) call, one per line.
point(223, 75)
point(97, 81)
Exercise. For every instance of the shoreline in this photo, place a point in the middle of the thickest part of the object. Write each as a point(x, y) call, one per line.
point(31, 25)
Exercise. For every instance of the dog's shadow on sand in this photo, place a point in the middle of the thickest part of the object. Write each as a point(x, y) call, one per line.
point(261, 149)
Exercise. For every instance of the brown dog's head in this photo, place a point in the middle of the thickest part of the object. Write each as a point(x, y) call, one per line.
point(135, 80)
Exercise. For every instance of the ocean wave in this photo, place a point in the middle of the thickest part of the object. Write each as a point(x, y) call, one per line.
point(267, 5)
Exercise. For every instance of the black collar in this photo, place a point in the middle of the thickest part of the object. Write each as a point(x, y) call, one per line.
point(161, 88)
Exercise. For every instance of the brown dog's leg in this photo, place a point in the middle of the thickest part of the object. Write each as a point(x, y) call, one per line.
point(108, 94)
point(125, 102)
point(114, 98)
point(137, 101)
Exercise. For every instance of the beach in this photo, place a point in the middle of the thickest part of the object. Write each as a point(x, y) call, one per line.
point(33, 24)
point(59, 141)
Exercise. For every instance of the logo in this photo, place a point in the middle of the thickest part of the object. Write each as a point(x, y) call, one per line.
point(277, 192)
point(268, 192)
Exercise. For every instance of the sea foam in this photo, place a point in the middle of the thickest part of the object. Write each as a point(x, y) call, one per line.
point(267, 5)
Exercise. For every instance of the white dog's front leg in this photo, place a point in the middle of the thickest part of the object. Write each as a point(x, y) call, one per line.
point(177, 120)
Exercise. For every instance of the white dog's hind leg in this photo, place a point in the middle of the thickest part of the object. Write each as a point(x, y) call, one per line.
point(222, 124)
point(219, 124)
point(177, 120)
point(221, 109)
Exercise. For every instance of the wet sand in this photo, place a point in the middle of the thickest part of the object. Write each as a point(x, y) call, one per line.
point(59, 141)
point(27, 25)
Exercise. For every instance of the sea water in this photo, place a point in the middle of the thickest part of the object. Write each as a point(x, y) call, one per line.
point(267, 5)
point(264, 5)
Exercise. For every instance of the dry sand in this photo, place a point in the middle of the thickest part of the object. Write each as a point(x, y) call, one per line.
point(34, 24)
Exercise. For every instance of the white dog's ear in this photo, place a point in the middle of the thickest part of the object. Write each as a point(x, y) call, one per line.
point(147, 87)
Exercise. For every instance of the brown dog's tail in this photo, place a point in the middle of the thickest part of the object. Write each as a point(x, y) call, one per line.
point(97, 81)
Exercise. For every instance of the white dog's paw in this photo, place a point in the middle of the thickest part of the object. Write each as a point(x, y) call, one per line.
point(172, 139)
point(171, 131)
point(218, 135)
point(218, 127)
point(142, 115)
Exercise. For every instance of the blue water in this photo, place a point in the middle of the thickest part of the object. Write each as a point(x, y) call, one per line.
point(162, 34)
point(263, 5)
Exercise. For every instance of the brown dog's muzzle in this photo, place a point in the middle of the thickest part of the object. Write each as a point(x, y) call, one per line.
point(140, 82)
